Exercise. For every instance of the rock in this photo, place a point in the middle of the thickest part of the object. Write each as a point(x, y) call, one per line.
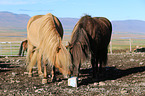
point(14, 74)
point(101, 83)
point(133, 81)
point(18, 61)
point(142, 84)
point(141, 63)
point(60, 83)
point(123, 91)
point(113, 81)
point(17, 81)
point(96, 83)
point(12, 81)
point(132, 60)
point(7, 61)
point(113, 65)
point(6, 57)
point(25, 73)
point(39, 90)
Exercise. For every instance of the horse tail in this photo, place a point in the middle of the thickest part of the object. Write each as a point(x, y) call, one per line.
point(21, 48)
point(33, 60)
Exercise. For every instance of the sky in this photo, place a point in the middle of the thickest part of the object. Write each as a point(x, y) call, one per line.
point(111, 9)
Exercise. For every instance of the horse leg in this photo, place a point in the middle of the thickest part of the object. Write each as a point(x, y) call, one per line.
point(29, 53)
point(39, 65)
point(94, 62)
point(44, 80)
point(24, 49)
point(53, 78)
point(23, 52)
point(28, 58)
point(103, 61)
point(100, 67)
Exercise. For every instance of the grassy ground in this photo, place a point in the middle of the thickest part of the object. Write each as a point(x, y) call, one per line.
point(118, 42)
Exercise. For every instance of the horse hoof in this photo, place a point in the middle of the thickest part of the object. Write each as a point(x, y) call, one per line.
point(30, 75)
point(44, 81)
point(66, 77)
point(41, 76)
point(53, 79)
point(95, 80)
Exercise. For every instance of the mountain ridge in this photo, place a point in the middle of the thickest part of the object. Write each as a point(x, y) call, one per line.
point(19, 21)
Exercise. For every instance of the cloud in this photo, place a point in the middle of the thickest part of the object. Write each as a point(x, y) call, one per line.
point(35, 10)
point(12, 2)
point(21, 2)
point(24, 10)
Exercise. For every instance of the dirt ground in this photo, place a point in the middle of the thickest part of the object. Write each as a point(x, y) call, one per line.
point(124, 75)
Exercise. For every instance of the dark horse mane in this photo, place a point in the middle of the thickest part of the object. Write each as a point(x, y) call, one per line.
point(89, 41)
point(80, 45)
point(80, 39)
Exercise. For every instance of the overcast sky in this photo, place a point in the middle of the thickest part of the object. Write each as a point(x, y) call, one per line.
point(112, 9)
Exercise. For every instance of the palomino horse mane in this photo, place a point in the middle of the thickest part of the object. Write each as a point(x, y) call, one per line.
point(49, 32)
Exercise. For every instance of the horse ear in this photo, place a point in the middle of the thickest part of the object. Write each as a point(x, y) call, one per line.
point(69, 43)
point(67, 46)
point(57, 49)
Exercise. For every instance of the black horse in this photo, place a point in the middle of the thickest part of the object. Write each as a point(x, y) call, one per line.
point(89, 41)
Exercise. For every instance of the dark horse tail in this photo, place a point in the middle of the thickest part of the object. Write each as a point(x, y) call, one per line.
point(21, 48)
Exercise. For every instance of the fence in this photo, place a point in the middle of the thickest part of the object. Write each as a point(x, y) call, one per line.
point(127, 45)
point(9, 48)
point(12, 48)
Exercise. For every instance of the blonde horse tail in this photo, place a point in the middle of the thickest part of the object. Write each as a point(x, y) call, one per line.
point(33, 60)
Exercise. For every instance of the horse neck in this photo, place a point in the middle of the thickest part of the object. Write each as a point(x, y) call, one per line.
point(63, 59)
point(76, 53)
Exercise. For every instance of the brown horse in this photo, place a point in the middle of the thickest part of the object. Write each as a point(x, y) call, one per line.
point(23, 48)
point(89, 41)
point(45, 32)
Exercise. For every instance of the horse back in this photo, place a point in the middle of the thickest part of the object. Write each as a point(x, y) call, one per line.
point(32, 19)
point(58, 26)
point(104, 22)
point(103, 31)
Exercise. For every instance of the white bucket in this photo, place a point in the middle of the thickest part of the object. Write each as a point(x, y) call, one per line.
point(73, 81)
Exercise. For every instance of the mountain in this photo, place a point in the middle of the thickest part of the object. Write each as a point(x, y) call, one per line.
point(68, 23)
point(19, 21)
point(11, 20)
point(130, 26)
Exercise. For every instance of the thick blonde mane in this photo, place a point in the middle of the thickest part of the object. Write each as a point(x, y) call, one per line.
point(49, 42)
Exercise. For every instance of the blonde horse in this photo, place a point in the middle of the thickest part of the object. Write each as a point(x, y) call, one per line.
point(44, 33)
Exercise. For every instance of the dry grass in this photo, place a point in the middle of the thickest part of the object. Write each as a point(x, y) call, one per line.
point(119, 41)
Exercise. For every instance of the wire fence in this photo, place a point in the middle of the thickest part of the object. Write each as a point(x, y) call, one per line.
point(126, 45)
point(9, 48)
point(116, 46)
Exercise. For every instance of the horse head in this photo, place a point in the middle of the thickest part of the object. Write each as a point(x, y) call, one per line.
point(63, 61)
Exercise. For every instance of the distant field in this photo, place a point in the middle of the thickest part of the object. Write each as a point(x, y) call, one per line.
point(8, 35)
point(118, 41)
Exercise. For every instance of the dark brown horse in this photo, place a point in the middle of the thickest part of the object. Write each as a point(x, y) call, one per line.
point(89, 41)
point(23, 48)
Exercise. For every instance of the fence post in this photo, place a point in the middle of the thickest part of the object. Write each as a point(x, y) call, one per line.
point(0, 49)
point(10, 47)
point(130, 44)
point(111, 47)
